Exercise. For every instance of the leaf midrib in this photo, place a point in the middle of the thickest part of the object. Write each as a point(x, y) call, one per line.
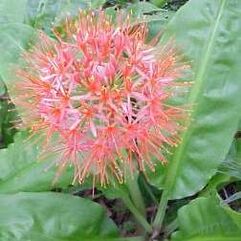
point(176, 161)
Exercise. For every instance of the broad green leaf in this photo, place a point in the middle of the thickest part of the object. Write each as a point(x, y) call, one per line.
point(140, 8)
point(14, 38)
point(46, 13)
point(208, 32)
point(53, 217)
point(205, 219)
point(22, 170)
point(12, 11)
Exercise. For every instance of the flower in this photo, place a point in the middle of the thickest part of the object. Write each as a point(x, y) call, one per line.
point(101, 91)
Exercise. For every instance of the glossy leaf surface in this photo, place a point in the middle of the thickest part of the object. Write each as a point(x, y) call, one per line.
point(53, 217)
point(205, 219)
point(22, 169)
point(208, 32)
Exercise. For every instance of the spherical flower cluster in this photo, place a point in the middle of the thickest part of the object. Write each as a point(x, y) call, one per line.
point(101, 90)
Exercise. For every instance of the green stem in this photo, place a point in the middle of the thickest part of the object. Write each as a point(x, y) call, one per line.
point(135, 194)
point(148, 189)
point(139, 217)
point(157, 224)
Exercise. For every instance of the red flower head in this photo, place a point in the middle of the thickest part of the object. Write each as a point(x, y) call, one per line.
point(102, 91)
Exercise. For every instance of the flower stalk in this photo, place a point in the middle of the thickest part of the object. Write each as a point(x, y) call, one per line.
point(139, 217)
point(135, 194)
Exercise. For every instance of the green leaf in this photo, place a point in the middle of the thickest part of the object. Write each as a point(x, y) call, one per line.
point(205, 219)
point(12, 11)
point(209, 34)
point(14, 38)
point(21, 169)
point(141, 8)
point(53, 217)
point(46, 13)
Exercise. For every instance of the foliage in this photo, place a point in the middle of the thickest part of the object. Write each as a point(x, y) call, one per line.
point(214, 116)
point(207, 219)
point(53, 216)
point(200, 186)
